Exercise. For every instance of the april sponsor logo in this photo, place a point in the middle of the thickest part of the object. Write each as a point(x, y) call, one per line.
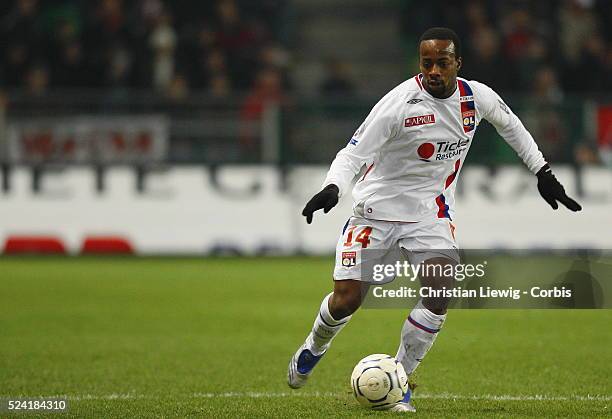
point(443, 150)
point(419, 120)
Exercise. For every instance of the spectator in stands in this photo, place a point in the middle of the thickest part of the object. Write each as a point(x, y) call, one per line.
point(219, 46)
point(577, 25)
point(267, 91)
point(534, 58)
point(519, 32)
point(238, 40)
point(163, 43)
point(274, 56)
point(119, 67)
point(216, 63)
point(178, 88)
point(105, 27)
point(486, 63)
point(70, 69)
point(150, 11)
point(219, 86)
point(21, 31)
point(594, 62)
point(337, 81)
point(195, 53)
point(108, 23)
point(37, 80)
point(543, 116)
point(476, 16)
point(545, 86)
point(16, 61)
point(23, 24)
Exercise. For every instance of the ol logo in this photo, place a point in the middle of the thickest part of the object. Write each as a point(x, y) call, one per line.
point(349, 259)
point(469, 121)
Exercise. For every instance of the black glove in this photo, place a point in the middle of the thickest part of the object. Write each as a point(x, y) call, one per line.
point(326, 199)
point(552, 191)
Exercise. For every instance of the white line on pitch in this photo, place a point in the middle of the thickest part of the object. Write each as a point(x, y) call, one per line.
point(255, 395)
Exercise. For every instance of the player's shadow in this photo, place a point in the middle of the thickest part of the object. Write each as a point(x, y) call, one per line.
point(586, 290)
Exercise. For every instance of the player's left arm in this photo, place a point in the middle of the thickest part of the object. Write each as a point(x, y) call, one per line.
point(512, 130)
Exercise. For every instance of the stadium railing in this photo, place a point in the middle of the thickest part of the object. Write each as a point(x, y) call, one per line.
point(93, 127)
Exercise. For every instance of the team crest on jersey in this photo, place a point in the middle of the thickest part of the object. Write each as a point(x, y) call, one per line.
point(468, 109)
point(419, 120)
point(349, 259)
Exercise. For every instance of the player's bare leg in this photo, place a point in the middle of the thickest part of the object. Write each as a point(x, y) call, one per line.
point(424, 322)
point(335, 312)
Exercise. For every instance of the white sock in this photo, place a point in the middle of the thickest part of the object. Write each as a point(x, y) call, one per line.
point(324, 329)
point(418, 335)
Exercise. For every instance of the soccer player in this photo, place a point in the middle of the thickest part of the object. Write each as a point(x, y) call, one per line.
point(412, 146)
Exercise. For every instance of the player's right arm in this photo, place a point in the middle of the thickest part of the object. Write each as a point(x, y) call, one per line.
point(379, 126)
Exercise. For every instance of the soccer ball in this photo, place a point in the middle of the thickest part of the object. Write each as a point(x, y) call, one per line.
point(379, 381)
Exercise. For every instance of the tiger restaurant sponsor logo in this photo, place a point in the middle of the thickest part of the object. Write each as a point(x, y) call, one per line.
point(419, 120)
point(443, 150)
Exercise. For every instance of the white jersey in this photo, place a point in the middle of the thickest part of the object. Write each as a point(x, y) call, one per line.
point(413, 146)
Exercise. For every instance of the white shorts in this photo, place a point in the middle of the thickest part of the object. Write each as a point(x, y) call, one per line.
point(366, 242)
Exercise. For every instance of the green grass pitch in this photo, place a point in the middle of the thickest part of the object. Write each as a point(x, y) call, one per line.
point(128, 337)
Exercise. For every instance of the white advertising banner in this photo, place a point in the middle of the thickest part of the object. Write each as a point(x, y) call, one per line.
point(253, 210)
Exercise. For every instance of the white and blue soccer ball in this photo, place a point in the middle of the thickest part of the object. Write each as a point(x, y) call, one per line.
point(379, 381)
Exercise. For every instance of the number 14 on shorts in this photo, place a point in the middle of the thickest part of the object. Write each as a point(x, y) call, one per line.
point(362, 236)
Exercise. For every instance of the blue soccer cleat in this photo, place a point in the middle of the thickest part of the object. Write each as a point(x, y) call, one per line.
point(301, 366)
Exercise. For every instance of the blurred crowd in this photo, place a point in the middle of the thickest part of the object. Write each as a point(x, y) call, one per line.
point(218, 46)
point(550, 51)
point(547, 50)
point(546, 47)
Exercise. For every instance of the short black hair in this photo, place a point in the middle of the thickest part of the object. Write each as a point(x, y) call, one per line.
point(442, 33)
